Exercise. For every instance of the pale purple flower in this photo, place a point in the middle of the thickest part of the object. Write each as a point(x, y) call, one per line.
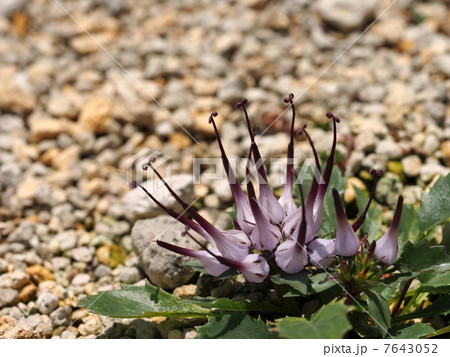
point(268, 229)
point(386, 248)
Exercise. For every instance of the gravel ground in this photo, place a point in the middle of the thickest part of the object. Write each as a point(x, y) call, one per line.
point(73, 115)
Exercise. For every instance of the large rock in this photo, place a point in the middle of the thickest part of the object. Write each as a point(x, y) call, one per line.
point(162, 267)
point(346, 15)
point(138, 205)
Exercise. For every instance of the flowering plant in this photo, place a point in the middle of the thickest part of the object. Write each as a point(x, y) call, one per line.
point(274, 239)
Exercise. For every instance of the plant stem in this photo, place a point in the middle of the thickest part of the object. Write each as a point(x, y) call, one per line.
point(438, 332)
point(396, 308)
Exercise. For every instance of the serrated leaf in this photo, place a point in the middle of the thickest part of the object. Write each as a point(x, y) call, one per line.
point(378, 309)
point(439, 307)
point(329, 322)
point(422, 257)
point(298, 281)
point(234, 326)
point(435, 205)
point(411, 330)
point(140, 301)
point(372, 223)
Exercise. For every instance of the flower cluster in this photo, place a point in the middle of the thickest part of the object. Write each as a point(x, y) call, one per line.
point(271, 231)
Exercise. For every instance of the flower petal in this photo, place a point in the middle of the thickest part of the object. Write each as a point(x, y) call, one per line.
point(347, 243)
point(322, 252)
point(290, 257)
point(386, 248)
point(209, 262)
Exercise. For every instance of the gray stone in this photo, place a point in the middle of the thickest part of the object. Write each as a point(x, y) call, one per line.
point(45, 328)
point(8, 7)
point(81, 279)
point(411, 165)
point(102, 270)
point(388, 188)
point(67, 240)
point(60, 263)
point(31, 321)
point(366, 142)
point(3, 266)
point(61, 316)
point(83, 254)
point(117, 330)
point(145, 329)
point(435, 111)
point(162, 267)
point(138, 205)
point(8, 297)
point(389, 149)
point(346, 15)
point(10, 123)
point(47, 302)
point(129, 275)
point(431, 169)
point(16, 280)
point(23, 234)
point(443, 65)
point(372, 93)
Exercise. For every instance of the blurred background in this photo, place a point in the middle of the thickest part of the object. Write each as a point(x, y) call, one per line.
point(86, 85)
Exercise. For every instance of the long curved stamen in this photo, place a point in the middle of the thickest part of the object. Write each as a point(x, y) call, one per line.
point(286, 199)
point(266, 196)
point(179, 217)
point(318, 204)
point(224, 241)
point(376, 175)
point(242, 205)
point(303, 224)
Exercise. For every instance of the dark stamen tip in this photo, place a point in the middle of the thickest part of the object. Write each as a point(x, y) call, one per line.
point(337, 119)
point(330, 115)
point(241, 103)
point(373, 172)
point(380, 173)
point(145, 167)
point(213, 115)
point(133, 184)
point(286, 100)
point(291, 95)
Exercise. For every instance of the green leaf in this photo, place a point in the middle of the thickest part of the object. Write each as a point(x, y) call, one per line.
point(329, 322)
point(434, 282)
point(362, 325)
point(379, 311)
point(411, 330)
point(298, 281)
point(439, 307)
point(140, 301)
point(235, 305)
point(409, 227)
point(237, 326)
point(435, 205)
point(372, 223)
point(324, 285)
point(422, 257)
